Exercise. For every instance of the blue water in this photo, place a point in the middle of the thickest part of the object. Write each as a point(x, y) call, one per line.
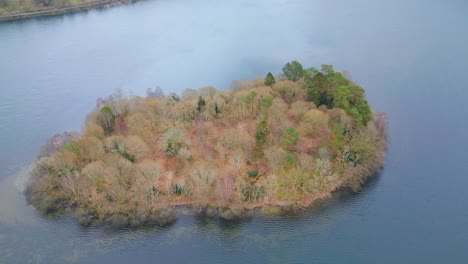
point(411, 57)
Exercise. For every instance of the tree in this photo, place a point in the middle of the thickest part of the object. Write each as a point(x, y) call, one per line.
point(175, 97)
point(157, 93)
point(217, 110)
point(313, 122)
point(293, 71)
point(275, 156)
point(327, 69)
point(201, 104)
point(203, 176)
point(188, 94)
point(290, 137)
point(310, 73)
point(269, 79)
point(351, 99)
point(105, 119)
point(318, 90)
point(261, 135)
point(172, 141)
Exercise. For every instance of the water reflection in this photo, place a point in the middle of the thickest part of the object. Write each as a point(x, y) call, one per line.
point(13, 208)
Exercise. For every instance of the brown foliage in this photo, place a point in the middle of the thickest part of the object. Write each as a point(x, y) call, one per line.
point(159, 150)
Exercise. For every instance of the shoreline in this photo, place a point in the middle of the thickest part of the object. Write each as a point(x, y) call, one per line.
point(167, 215)
point(65, 10)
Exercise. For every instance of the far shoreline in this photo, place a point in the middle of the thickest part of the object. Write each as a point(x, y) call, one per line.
point(65, 10)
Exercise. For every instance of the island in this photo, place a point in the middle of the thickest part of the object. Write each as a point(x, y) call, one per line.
point(280, 141)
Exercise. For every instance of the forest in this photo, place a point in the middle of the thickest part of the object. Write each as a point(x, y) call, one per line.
point(282, 140)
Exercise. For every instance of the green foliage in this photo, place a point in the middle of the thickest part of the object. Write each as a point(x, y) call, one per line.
point(72, 146)
point(252, 174)
point(251, 192)
point(172, 141)
point(177, 190)
point(290, 137)
point(293, 71)
point(266, 102)
point(249, 99)
point(201, 104)
point(310, 73)
point(120, 149)
point(318, 90)
point(261, 133)
point(128, 156)
point(327, 69)
point(109, 198)
point(106, 119)
point(289, 159)
point(338, 133)
point(175, 97)
point(332, 89)
point(351, 99)
point(217, 110)
point(108, 110)
point(269, 79)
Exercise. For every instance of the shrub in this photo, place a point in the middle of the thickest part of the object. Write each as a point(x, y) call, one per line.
point(135, 147)
point(314, 121)
point(252, 174)
point(289, 160)
point(72, 146)
point(299, 108)
point(275, 155)
point(172, 141)
point(261, 134)
point(203, 177)
point(91, 148)
point(177, 190)
point(290, 137)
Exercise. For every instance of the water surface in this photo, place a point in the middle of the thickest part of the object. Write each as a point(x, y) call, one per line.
point(411, 58)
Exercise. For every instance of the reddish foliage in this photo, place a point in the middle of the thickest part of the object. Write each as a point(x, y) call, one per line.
point(100, 103)
point(120, 125)
point(55, 143)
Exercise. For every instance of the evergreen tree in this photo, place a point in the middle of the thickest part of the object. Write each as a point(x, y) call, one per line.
point(217, 110)
point(261, 135)
point(201, 104)
point(270, 79)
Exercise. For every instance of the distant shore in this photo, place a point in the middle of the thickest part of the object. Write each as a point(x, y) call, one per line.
point(65, 10)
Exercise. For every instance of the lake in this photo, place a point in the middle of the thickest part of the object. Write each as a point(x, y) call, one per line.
point(410, 56)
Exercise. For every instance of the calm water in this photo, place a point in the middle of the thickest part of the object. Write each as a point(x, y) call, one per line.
point(411, 57)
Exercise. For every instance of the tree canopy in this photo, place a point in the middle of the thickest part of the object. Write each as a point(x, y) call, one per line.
point(253, 143)
point(269, 79)
point(293, 71)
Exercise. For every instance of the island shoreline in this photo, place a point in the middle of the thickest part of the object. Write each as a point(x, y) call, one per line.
point(259, 145)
